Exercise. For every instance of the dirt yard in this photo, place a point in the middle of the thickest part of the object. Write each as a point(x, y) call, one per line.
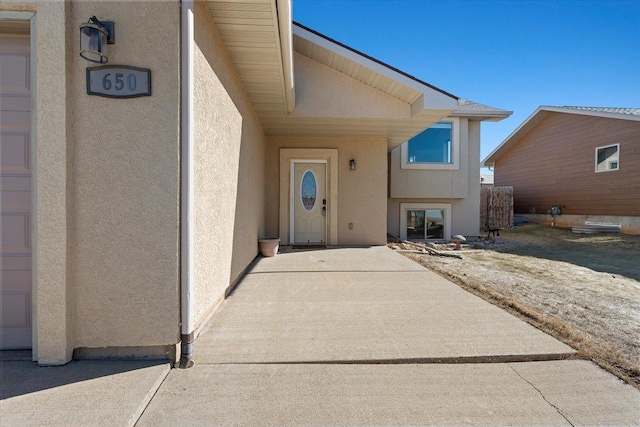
point(582, 289)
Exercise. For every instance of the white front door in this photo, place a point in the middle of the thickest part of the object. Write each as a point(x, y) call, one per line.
point(15, 192)
point(309, 203)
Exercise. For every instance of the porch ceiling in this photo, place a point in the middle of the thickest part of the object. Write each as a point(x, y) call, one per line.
point(251, 34)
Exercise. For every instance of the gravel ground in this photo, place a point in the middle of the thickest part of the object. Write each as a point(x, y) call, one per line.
point(583, 289)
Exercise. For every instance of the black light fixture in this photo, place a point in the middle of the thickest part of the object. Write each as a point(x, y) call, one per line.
point(352, 164)
point(94, 37)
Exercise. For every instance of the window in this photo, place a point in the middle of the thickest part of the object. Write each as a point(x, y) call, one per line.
point(433, 145)
point(425, 221)
point(435, 148)
point(308, 190)
point(608, 158)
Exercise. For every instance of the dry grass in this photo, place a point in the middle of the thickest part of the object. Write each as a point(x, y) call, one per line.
point(583, 290)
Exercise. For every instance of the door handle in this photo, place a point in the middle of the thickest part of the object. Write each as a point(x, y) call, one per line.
point(324, 211)
point(324, 202)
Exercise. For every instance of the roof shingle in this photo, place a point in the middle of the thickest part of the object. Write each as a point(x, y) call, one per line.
point(613, 110)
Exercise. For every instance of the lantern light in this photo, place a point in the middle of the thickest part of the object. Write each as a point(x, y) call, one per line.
point(94, 37)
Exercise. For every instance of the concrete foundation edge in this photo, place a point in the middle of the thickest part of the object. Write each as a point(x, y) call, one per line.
point(629, 224)
point(169, 352)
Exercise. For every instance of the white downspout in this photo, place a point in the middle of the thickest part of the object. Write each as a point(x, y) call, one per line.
point(187, 323)
point(286, 46)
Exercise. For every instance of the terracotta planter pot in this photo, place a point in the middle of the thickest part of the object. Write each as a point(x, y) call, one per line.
point(269, 246)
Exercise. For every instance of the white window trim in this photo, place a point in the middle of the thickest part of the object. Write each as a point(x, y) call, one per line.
point(455, 151)
point(404, 207)
point(596, 158)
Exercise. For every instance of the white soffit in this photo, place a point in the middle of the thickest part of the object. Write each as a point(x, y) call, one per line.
point(250, 32)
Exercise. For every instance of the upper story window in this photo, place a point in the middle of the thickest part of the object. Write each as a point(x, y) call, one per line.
point(433, 145)
point(608, 158)
point(435, 148)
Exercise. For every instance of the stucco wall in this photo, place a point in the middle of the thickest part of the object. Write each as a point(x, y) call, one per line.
point(423, 183)
point(229, 169)
point(126, 173)
point(425, 186)
point(362, 194)
point(51, 174)
point(325, 92)
point(52, 191)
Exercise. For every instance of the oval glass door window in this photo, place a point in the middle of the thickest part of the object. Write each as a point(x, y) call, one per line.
point(308, 190)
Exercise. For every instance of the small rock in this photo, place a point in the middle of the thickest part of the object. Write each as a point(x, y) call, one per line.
point(459, 240)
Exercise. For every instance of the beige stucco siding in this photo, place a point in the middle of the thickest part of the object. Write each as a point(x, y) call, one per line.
point(324, 92)
point(471, 211)
point(362, 194)
point(459, 188)
point(423, 183)
point(126, 174)
point(53, 187)
point(229, 169)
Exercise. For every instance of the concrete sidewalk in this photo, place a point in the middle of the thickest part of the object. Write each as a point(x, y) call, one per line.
point(349, 336)
point(361, 305)
point(81, 393)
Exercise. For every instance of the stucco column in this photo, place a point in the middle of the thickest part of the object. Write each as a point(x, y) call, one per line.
point(53, 185)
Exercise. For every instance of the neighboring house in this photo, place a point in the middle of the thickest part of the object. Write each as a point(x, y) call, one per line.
point(586, 160)
point(127, 221)
point(486, 180)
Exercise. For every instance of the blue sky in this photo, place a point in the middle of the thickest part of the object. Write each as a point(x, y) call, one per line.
point(515, 55)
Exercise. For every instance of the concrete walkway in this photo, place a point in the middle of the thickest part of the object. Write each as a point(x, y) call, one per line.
point(360, 305)
point(337, 337)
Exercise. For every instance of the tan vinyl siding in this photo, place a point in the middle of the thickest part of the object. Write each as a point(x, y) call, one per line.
point(554, 164)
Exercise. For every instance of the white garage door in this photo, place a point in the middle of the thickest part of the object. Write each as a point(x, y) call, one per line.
point(15, 191)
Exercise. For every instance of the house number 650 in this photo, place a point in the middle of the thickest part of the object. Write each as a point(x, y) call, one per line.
point(118, 82)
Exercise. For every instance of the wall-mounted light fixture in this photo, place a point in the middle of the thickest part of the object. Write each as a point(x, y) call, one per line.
point(352, 164)
point(94, 37)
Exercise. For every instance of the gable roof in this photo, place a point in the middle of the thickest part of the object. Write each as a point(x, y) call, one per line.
point(372, 59)
point(544, 110)
point(265, 45)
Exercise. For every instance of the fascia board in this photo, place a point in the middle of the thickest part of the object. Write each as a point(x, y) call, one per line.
point(488, 116)
point(603, 114)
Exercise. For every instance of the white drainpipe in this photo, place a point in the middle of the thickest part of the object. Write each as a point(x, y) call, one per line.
point(187, 322)
point(286, 46)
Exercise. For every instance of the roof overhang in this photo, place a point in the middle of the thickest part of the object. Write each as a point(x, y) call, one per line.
point(534, 119)
point(263, 43)
point(480, 116)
